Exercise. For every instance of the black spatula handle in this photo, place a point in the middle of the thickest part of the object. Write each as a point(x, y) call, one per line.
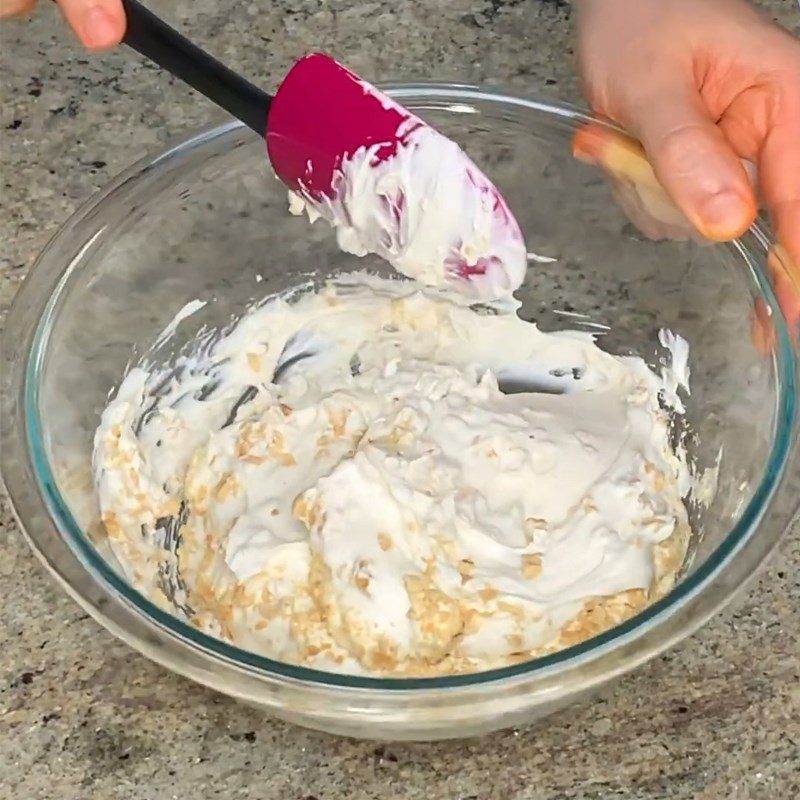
point(154, 39)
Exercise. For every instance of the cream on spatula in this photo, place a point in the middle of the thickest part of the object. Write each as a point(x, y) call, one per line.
point(388, 182)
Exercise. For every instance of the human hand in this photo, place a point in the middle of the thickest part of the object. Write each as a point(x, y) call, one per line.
point(706, 86)
point(99, 24)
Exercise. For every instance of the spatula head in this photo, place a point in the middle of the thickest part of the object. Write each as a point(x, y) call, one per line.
point(389, 183)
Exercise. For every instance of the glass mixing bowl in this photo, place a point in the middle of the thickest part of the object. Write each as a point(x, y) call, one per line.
point(207, 219)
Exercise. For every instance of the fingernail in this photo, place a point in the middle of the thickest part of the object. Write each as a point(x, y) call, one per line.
point(724, 215)
point(99, 28)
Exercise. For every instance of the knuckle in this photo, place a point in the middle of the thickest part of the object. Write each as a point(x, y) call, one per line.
point(683, 147)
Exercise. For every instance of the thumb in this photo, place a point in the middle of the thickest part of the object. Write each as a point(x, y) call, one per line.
point(694, 162)
point(13, 8)
point(99, 24)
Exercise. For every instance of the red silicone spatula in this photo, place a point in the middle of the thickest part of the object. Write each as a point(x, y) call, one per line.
point(388, 182)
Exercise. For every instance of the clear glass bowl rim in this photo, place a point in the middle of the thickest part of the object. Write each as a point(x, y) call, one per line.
point(188, 636)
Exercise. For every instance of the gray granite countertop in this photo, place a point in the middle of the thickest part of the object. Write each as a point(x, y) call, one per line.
point(83, 716)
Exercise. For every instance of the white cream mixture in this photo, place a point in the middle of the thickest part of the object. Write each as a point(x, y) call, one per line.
point(339, 482)
point(428, 211)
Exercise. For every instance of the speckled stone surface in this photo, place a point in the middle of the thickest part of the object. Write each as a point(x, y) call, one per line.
point(82, 716)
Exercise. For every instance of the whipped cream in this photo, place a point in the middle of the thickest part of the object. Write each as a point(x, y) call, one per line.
point(339, 481)
point(427, 210)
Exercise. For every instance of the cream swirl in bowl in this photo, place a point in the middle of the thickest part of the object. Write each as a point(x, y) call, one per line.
point(339, 481)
